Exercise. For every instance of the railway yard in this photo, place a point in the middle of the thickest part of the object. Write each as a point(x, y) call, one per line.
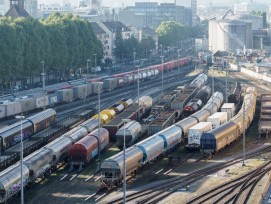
point(166, 162)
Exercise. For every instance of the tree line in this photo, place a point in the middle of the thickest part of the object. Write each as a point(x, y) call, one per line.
point(63, 42)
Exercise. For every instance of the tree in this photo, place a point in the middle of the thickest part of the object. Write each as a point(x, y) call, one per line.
point(119, 45)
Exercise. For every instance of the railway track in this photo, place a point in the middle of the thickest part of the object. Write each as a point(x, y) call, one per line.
point(159, 192)
point(236, 191)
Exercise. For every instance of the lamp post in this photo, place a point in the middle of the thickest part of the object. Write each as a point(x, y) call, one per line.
point(124, 162)
point(226, 92)
point(95, 64)
point(162, 60)
point(21, 118)
point(88, 60)
point(213, 90)
point(244, 131)
point(99, 126)
point(43, 83)
point(178, 65)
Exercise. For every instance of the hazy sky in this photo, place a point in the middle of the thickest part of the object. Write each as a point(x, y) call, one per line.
point(118, 3)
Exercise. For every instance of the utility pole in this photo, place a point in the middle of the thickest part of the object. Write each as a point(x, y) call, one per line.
point(213, 90)
point(21, 118)
point(179, 66)
point(226, 93)
point(43, 83)
point(244, 131)
point(162, 59)
point(88, 60)
point(125, 121)
point(99, 125)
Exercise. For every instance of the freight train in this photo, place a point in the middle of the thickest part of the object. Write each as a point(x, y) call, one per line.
point(198, 101)
point(11, 135)
point(235, 94)
point(72, 145)
point(156, 145)
point(83, 88)
point(225, 134)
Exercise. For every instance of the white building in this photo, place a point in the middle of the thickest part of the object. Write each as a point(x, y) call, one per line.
point(249, 7)
point(106, 33)
point(257, 21)
point(4, 6)
point(227, 35)
point(194, 12)
point(31, 6)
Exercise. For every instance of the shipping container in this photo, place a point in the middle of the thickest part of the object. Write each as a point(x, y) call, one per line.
point(110, 84)
point(28, 104)
point(79, 92)
point(229, 108)
point(97, 87)
point(3, 111)
point(42, 101)
point(217, 119)
point(195, 133)
point(164, 120)
point(53, 99)
point(11, 108)
point(65, 95)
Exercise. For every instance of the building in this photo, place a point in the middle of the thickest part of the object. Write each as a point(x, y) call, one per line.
point(4, 7)
point(106, 33)
point(248, 7)
point(151, 14)
point(257, 21)
point(31, 6)
point(228, 34)
point(194, 8)
point(16, 9)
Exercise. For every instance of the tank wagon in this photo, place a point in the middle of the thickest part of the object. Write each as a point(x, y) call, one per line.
point(151, 148)
point(132, 131)
point(40, 162)
point(225, 134)
point(11, 135)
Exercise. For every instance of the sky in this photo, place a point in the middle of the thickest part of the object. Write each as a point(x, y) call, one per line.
point(118, 3)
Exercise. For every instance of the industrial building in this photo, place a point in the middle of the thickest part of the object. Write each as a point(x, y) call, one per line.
point(228, 34)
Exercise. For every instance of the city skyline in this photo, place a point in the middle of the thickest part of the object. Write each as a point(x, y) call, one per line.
point(119, 3)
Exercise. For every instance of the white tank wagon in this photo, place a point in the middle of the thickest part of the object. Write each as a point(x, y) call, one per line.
point(200, 80)
point(145, 102)
point(149, 149)
point(132, 133)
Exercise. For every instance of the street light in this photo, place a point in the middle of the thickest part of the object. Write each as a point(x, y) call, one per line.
point(162, 59)
point(88, 60)
point(21, 118)
point(179, 65)
point(244, 131)
point(124, 162)
point(99, 125)
point(43, 83)
point(226, 93)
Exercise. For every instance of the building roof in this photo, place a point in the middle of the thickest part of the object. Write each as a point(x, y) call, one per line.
point(113, 26)
point(149, 31)
point(221, 53)
point(96, 28)
point(17, 11)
